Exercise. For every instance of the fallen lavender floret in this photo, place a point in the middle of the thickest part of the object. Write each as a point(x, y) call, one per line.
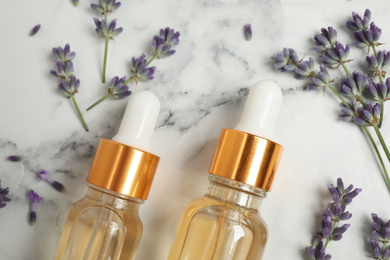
point(3, 196)
point(329, 230)
point(44, 175)
point(35, 29)
point(34, 198)
point(14, 158)
point(248, 32)
point(380, 238)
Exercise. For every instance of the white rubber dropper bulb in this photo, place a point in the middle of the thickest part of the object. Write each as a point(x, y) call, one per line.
point(261, 109)
point(139, 121)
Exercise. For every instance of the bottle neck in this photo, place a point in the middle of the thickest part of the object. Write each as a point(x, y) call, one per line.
point(235, 192)
point(109, 198)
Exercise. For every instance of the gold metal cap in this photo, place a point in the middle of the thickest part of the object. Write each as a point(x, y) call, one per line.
point(246, 158)
point(123, 169)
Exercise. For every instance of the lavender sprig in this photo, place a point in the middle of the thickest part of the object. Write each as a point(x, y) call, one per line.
point(34, 199)
point(103, 29)
point(357, 106)
point(44, 175)
point(117, 89)
point(68, 84)
point(162, 46)
point(380, 238)
point(330, 231)
point(3, 196)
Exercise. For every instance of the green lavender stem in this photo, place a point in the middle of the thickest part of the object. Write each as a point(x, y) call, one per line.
point(105, 52)
point(338, 95)
point(147, 64)
point(79, 112)
point(97, 102)
point(128, 80)
point(381, 81)
point(330, 235)
point(105, 59)
point(345, 69)
point(378, 154)
point(378, 133)
point(381, 118)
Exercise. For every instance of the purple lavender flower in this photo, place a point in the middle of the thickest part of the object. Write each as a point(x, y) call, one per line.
point(326, 40)
point(34, 198)
point(329, 230)
point(3, 196)
point(305, 69)
point(63, 71)
point(353, 86)
point(64, 54)
point(14, 158)
point(69, 88)
point(348, 114)
point(380, 238)
point(321, 80)
point(333, 58)
point(35, 29)
point(163, 44)
point(107, 32)
point(287, 60)
point(139, 71)
point(337, 212)
point(359, 23)
point(378, 64)
point(369, 115)
point(248, 32)
point(118, 88)
point(318, 252)
point(368, 37)
point(380, 228)
point(106, 6)
point(379, 91)
point(44, 175)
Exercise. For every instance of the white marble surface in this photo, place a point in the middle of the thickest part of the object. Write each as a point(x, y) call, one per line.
point(202, 88)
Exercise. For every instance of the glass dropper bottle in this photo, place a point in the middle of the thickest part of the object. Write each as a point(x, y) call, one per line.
point(225, 224)
point(105, 224)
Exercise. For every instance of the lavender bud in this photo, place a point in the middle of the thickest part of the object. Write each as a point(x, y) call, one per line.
point(248, 32)
point(118, 89)
point(14, 158)
point(359, 23)
point(35, 29)
point(341, 230)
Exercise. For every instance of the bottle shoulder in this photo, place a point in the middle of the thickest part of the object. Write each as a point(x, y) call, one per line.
point(207, 202)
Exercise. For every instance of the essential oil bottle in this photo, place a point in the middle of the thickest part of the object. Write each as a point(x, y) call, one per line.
point(105, 224)
point(225, 224)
